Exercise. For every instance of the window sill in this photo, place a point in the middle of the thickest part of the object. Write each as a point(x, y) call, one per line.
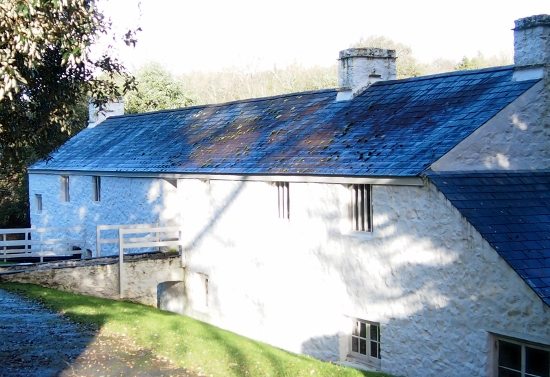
point(359, 234)
point(360, 363)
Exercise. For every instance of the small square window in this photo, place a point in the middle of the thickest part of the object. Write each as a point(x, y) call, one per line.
point(96, 183)
point(38, 202)
point(365, 342)
point(283, 200)
point(65, 193)
point(361, 208)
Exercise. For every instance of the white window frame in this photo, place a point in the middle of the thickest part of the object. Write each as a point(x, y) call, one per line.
point(523, 344)
point(96, 188)
point(38, 202)
point(283, 200)
point(361, 208)
point(65, 188)
point(357, 355)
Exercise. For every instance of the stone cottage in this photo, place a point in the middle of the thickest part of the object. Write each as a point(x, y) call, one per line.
point(396, 225)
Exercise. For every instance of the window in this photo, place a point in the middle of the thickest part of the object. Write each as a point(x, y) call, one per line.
point(96, 183)
point(65, 196)
point(283, 200)
point(365, 342)
point(361, 208)
point(516, 359)
point(38, 202)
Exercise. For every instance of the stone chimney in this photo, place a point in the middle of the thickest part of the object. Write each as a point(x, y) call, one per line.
point(361, 67)
point(532, 47)
point(112, 108)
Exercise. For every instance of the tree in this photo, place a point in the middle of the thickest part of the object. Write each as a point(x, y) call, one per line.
point(156, 89)
point(481, 61)
point(407, 65)
point(47, 72)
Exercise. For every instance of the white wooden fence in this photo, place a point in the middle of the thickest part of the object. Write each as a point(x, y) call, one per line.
point(102, 229)
point(29, 242)
point(145, 236)
point(36, 243)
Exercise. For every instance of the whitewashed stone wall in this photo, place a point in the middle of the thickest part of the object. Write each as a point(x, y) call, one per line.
point(146, 277)
point(518, 138)
point(123, 201)
point(425, 274)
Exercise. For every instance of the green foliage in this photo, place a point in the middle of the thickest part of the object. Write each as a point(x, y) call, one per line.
point(407, 65)
point(46, 74)
point(156, 89)
point(189, 343)
point(481, 61)
point(233, 84)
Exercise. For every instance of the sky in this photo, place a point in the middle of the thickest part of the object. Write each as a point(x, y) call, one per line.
point(212, 35)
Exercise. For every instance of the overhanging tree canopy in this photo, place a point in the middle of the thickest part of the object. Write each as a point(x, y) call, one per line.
point(47, 71)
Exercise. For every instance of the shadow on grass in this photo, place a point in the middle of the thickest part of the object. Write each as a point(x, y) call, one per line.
point(36, 341)
point(188, 343)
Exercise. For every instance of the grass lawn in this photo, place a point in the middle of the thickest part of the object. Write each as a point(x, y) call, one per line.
point(188, 343)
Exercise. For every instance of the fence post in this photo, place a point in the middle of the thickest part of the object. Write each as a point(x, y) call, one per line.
point(97, 243)
point(4, 248)
point(120, 263)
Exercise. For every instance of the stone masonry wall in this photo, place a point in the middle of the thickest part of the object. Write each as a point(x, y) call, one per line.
point(435, 286)
point(146, 275)
point(123, 201)
point(517, 138)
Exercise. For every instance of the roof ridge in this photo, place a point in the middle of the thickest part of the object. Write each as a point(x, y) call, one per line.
point(431, 173)
point(447, 74)
point(222, 104)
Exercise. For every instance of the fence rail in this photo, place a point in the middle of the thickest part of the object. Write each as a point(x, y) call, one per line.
point(148, 236)
point(19, 243)
point(113, 241)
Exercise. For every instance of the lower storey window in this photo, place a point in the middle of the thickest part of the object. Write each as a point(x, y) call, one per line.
point(365, 341)
point(516, 359)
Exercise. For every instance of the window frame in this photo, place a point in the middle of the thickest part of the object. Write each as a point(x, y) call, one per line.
point(361, 208)
point(65, 189)
point(39, 204)
point(96, 188)
point(524, 344)
point(365, 358)
point(283, 200)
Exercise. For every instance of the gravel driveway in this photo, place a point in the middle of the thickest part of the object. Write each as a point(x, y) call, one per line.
point(37, 342)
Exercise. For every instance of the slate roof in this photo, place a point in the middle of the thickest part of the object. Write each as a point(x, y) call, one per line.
point(394, 128)
point(512, 212)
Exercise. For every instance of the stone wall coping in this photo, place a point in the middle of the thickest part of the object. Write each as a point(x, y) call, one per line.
point(102, 261)
point(532, 21)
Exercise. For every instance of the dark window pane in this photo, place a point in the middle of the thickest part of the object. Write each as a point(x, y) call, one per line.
point(363, 333)
point(509, 355)
point(537, 362)
point(356, 328)
point(374, 332)
point(362, 346)
point(374, 351)
point(354, 344)
point(508, 373)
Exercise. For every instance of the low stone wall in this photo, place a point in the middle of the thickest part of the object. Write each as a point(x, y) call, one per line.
point(151, 279)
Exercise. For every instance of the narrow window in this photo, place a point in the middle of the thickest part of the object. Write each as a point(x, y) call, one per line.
point(96, 182)
point(206, 291)
point(65, 196)
point(38, 202)
point(522, 359)
point(365, 341)
point(283, 200)
point(361, 208)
